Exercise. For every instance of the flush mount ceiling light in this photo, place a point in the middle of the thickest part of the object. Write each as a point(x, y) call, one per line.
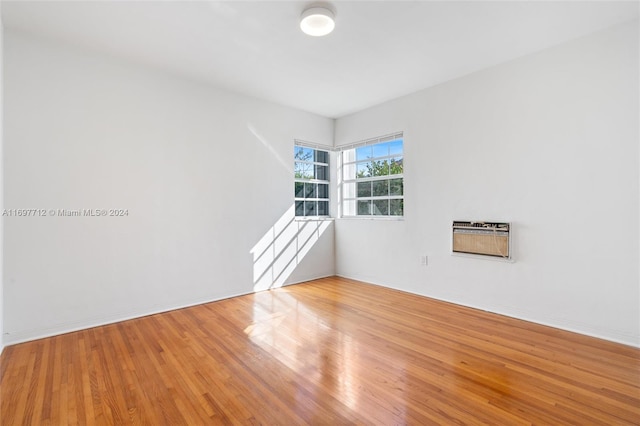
point(317, 21)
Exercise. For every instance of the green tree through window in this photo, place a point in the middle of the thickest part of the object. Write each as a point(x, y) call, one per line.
point(373, 179)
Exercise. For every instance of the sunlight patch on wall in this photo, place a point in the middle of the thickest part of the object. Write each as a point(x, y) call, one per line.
point(288, 165)
point(282, 248)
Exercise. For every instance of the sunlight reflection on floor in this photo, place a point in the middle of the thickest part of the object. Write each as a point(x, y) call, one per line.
point(277, 316)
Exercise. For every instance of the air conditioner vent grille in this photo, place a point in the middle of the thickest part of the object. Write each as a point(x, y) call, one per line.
point(482, 238)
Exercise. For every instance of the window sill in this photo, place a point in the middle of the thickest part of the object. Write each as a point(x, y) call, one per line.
point(385, 218)
point(314, 218)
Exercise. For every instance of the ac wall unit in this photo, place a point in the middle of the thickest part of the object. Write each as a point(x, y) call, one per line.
point(490, 239)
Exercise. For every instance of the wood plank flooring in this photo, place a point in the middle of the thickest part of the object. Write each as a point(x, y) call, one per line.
point(327, 352)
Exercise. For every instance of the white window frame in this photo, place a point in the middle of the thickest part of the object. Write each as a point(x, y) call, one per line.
point(312, 181)
point(348, 185)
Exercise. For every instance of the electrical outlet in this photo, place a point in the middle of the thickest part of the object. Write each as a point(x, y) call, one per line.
point(424, 260)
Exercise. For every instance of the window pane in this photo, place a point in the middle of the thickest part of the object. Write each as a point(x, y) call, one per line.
point(380, 168)
point(380, 150)
point(364, 189)
point(322, 172)
point(363, 153)
point(310, 208)
point(372, 179)
point(364, 207)
point(380, 188)
point(363, 170)
point(396, 187)
point(397, 208)
point(381, 207)
point(323, 208)
point(396, 166)
point(302, 154)
point(395, 147)
point(322, 157)
point(303, 171)
point(323, 190)
point(310, 190)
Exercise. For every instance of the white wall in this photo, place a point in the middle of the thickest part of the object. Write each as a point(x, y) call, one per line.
point(203, 172)
point(1, 184)
point(548, 142)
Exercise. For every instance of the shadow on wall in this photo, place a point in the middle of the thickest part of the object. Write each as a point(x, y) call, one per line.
point(282, 248)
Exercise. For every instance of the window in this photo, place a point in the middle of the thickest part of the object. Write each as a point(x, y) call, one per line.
point(311, 192)
point(373, 183)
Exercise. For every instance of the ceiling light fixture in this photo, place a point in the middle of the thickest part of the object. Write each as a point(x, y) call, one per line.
point(317, 21)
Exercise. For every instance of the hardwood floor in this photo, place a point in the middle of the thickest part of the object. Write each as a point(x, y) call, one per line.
point(331, 351)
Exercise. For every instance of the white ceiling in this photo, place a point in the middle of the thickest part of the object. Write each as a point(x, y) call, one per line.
point(379, 50)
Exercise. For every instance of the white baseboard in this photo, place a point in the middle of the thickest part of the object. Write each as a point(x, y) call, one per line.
point(509, 311)
point(69, 327)
point(311, 278)
point(616, 336)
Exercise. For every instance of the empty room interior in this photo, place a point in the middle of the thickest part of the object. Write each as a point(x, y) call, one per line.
point(206, 218)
